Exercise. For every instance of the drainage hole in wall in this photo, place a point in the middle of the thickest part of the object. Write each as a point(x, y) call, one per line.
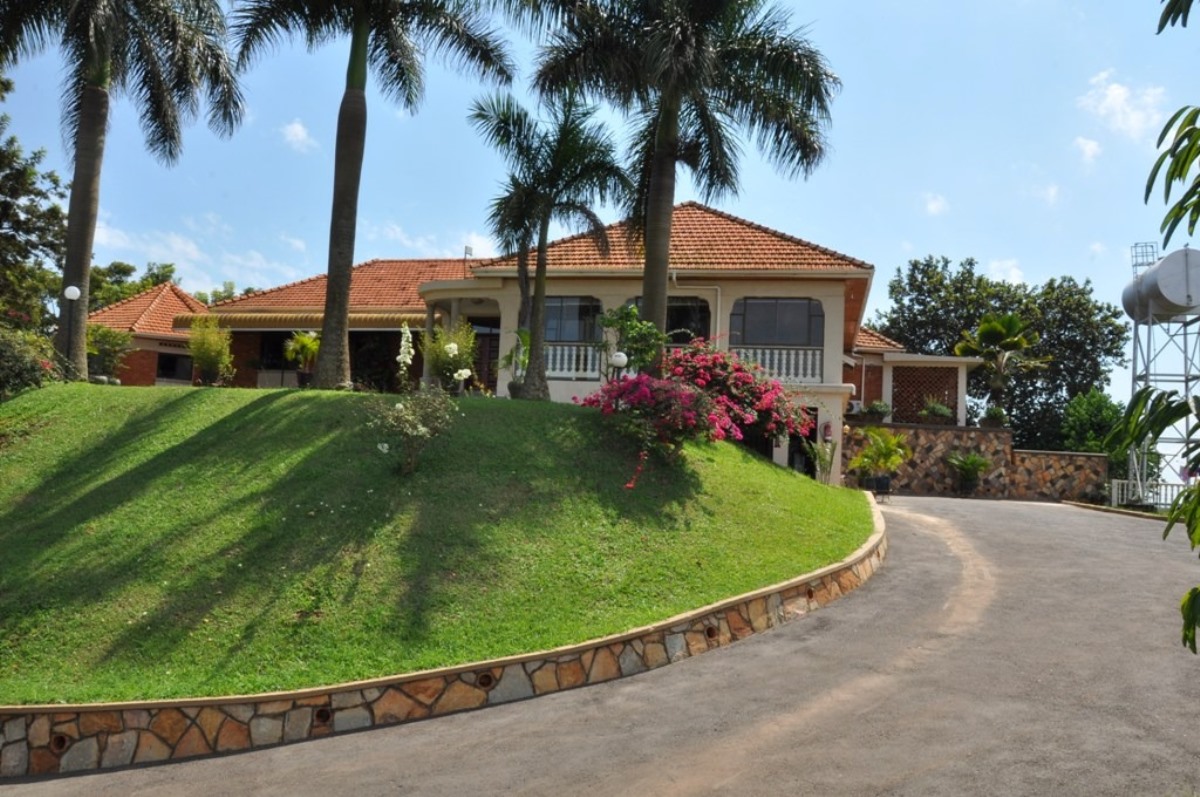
point(59, 742)
point(322, 716)
point(711, 632)
point(486, 680)
point(810, 593)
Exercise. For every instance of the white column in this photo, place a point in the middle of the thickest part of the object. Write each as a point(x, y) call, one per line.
point(962, 395)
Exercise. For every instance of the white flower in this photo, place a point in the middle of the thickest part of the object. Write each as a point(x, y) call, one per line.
point(383, 447)
point(452, 349)
point(405, 357)
point(462, 373)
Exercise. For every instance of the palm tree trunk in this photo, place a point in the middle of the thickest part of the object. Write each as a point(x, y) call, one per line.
point(333, 361)
point(82, 210)
point(526, 306)
point(660, 202)
point(535, 386)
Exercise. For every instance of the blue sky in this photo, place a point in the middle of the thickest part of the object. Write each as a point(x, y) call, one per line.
point(1018, 132)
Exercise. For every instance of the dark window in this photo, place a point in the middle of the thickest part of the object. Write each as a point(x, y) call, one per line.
point(572, 319)
point(271, 351)
point(777, 322)
point(687, 317)
point(174, 366)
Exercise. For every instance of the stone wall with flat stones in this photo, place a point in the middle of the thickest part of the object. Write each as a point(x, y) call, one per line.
point(1015, 474)
point(43, 740)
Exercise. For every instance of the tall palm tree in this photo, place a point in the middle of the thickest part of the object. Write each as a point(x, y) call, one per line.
point(1003, 341)
point(691, 71)
point(511, 220)
point(389, 37)
point(561, 168)
point(163, 54)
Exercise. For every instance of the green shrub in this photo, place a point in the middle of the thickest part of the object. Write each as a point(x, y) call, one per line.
point(26, 360)
point(450, 354)
point(209, 347)
point(107, 349)
point(406, 427)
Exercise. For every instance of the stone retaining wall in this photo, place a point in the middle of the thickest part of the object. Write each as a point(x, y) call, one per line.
point(1016, 474)
point(41, 740)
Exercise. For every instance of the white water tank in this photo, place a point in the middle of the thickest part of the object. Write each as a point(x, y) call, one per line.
point(1167, 290)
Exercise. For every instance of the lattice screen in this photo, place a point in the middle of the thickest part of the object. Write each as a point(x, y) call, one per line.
point(911, 386)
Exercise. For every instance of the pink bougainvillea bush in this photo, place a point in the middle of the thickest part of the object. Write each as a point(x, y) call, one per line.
point(756, 405)
point(705, 394)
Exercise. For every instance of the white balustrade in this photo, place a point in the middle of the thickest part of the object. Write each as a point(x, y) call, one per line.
point(572, 361)
point(788, 364)
point(1159, 494)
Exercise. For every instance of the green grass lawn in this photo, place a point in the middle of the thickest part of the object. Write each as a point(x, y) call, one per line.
point(163, 542)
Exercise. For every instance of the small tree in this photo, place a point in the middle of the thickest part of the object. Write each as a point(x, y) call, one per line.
point(1003, 341)
point(107, 349)
point(209, 347)
point(302, 348)
point(450, 354)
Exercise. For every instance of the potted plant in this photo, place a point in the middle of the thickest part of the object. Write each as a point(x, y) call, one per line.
point(876, 411)
point(994, 417)
point(935, 412)
point(968, 467)
point(301, 348)
point(881, 455)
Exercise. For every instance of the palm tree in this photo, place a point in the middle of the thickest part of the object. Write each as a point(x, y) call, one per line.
point(163, 54)
point(560, 169)
point(511, 220)
point(1003, 341)
point(390, 37)
point(691, 72)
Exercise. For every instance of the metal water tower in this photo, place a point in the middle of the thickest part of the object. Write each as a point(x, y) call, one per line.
point(1164, 302)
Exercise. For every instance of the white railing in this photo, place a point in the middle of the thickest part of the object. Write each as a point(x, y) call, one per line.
point(572, 361)
point(788, 364)
point(1160, 494)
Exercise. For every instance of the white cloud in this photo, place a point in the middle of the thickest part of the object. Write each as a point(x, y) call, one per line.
point(296, 244)
point(935, 204)
point(481, 245)
point(296, 136)
point(401, 244)
point(253, 269)
point(1131, 112)
point(1089, 150)
point(1047, 193)
point(1097, 248)
point(1008, 270)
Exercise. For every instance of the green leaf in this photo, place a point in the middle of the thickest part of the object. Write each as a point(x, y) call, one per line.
point(1189, 608)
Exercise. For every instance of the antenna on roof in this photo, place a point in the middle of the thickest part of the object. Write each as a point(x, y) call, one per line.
point(467, 252)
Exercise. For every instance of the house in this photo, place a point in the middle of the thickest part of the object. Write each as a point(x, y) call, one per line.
point(882, 370)
point(159, 354)
point(788, 304)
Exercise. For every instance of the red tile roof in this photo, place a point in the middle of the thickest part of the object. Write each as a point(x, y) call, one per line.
point(151, 312)
point(870, 339)
point(377, 284)
point(701, 239)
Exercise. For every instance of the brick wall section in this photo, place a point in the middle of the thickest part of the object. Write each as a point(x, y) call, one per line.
point(911, 386)
point(140, 368)
point(1019, 475)
point(246, 348)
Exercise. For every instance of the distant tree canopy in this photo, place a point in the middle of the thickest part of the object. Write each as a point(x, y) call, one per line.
point(934, 302)
point(227, 291)
point(115, 282)
point(32, 232)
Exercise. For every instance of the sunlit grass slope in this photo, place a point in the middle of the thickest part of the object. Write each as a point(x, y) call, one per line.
point(159, 542)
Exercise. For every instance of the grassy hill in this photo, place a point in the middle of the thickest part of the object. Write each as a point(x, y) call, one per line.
point(161, 542)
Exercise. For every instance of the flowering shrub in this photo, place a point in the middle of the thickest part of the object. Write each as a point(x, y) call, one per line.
point(404, 359)
point(450, 354)
point(661, 413)
point(26, 360)
point(406, 427)
point(754, 404)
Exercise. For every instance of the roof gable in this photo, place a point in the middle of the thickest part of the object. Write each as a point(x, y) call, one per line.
point(702, 239)
point(150, 312)
point(868, 338)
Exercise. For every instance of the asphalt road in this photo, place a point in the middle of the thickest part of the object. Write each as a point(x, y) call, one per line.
point(1004, 648)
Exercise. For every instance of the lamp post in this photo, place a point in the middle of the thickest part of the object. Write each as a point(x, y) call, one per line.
point(71, 294)
point(618, 361)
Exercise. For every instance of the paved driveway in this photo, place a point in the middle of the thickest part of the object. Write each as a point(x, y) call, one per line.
point(1004, 648)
